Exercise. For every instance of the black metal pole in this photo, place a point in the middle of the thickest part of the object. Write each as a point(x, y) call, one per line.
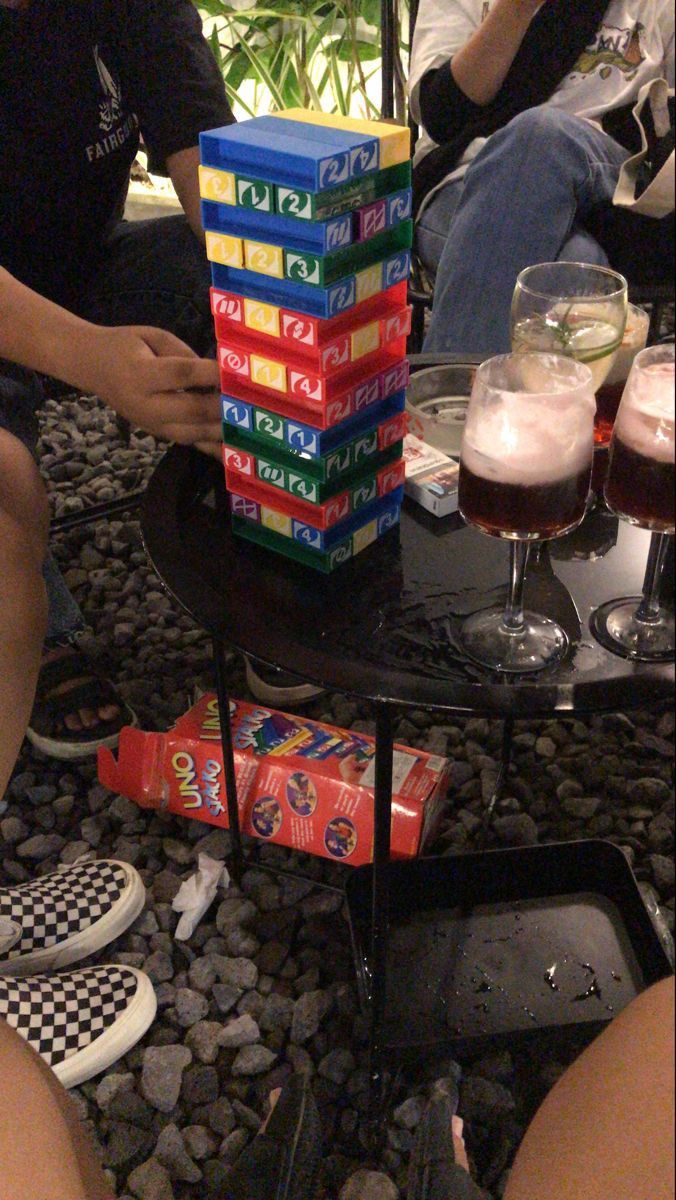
point(98, 512)
point(380, 915)
point(387, 34)
point(228, 760)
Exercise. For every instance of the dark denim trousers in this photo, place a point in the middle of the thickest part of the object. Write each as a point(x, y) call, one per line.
point(150, 273)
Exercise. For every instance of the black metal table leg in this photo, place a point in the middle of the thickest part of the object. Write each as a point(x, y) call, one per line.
point(505, 763)
point(380, 903)
point(228, 760)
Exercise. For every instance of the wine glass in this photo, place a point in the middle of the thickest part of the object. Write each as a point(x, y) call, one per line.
point(573, 309)
point(525, 468)
point(640, 489)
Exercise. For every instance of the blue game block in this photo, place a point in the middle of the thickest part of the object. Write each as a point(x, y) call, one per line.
point(399, 206)
point(386, 510)
point(307, 440)
point(306, 298)
point(299, 297)
point(259, 148)
point(314, 237)
point(237, 413)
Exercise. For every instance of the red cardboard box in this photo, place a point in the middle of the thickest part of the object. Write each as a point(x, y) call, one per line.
point(300, 783)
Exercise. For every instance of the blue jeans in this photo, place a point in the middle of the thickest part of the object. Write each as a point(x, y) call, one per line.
point(150, 273)
point(522, 201)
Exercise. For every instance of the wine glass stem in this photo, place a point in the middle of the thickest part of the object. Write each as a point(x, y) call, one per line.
point(513, 618)
point(649, 608)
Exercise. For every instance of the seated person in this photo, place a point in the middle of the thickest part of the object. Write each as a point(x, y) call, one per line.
point(530, 107)
point(70, 123)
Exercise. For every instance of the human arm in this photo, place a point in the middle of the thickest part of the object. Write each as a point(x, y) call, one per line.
point(23, 600)
point(184, 174)
point(147, 375)
point(459, 64)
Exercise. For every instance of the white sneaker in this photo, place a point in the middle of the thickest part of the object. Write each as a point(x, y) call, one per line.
point(82, 1022)
point(66, 916)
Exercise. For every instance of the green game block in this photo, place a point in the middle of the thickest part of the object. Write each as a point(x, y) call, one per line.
point(255, 193)
point(269, 426)
point(323, 270)
point(317, 206)
point(321, 560)
point(360, 452)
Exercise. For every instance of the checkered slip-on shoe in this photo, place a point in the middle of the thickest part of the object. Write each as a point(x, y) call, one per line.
point(80, 1022)
point(283, 1162)
point(63, 917)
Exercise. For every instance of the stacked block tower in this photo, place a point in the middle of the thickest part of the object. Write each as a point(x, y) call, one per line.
point(308, 230)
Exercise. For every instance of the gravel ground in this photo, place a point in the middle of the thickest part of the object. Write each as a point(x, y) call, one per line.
point(254, 995)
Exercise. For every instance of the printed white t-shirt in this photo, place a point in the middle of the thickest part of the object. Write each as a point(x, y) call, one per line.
point(634, 44)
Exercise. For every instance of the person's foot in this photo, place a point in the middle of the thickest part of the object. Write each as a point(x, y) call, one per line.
point(80, 1022)
point(439, 1168)
point(63, 917)
point(270, 686)
point(77, 709)
point(282, 1163)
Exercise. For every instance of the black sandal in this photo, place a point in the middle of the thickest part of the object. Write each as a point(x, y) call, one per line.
point(433, 1172)
point(47, 729)
point(283, 1162)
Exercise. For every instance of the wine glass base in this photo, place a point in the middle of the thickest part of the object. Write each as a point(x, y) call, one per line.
point(539, 644)
point(615, 626)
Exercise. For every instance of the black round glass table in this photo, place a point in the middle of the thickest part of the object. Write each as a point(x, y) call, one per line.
point(384, 627)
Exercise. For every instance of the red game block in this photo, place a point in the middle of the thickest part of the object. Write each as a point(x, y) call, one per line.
point(303, 335)
point(237, 359)
point(240, 476)
point(327, 405)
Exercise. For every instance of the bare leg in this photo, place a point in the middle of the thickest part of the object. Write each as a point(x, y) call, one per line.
point(23, 601)
point(43, 1149)
point(606, 1130)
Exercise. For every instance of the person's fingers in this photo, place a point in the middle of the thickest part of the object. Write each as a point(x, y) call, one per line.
point(183, 408)
point(185, 374)
point(163, 343)
point(190, 435)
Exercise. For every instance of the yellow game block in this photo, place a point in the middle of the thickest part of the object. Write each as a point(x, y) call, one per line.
point(365, 340)
point(224, 249)
point(267, 373)
point(267, 260)
point(395, 140)
point(276, 520)
point(369, 282)
point(364, 537)
point(217, 185)
point(263, 318)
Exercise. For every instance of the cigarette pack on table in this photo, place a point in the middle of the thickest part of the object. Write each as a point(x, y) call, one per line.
point(300, 783)
point(431, 477)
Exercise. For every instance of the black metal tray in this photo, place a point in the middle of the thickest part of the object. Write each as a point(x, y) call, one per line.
point(507, 942)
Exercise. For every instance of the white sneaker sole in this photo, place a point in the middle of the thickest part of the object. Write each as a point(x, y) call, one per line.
point(117, 1041)
point(267, 693)
point(53, 958)
point(75, 751)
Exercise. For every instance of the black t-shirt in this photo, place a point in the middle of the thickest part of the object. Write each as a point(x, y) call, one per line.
point(79, 79)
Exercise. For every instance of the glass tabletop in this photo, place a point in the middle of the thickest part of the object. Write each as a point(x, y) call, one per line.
point(385, 625)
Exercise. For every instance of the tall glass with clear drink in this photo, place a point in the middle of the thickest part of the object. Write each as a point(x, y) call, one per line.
point(640, 489)
point(573, 309)
point(525, 469)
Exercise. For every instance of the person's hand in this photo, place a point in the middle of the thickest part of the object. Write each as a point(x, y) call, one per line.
point(155, 382)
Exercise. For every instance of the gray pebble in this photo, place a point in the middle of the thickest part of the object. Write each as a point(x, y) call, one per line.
point(308, 1014)
point(172, 1153)
point(151, 1181)
point(163, 1068)
point(241, 1032)
point(190, 1006)
point(41, 846)
point(516, 829)
point(204, 1040)
point(369, 1185)
point(253, 1060)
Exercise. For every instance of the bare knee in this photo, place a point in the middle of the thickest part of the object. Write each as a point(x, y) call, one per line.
point(23, 499)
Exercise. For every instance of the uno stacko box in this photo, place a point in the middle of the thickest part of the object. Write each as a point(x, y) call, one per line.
point(300, 783)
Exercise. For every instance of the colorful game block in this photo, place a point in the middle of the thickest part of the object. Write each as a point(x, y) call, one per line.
point(385, 511)
point(321, 516)
point(301, 438)
point(298, 476)
point(301, 266)
point(319, 560)
point(308, 299)
point(306, 337)
point(313, 237)
point(395, 140)
point(316, 206)
point(354, 399)
point(239, 357)
point(292, 155)
point(383, 214)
